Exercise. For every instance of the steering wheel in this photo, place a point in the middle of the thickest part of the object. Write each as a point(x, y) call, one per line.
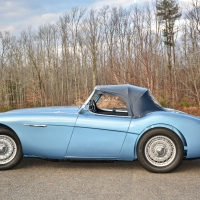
point(94, 106)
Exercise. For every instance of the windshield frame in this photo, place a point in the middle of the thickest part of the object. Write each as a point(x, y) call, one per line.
point(86, 102)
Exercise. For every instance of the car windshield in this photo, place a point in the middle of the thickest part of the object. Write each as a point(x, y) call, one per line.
point(95, 98)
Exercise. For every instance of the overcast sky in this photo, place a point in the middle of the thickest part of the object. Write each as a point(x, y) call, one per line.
point(16, 15)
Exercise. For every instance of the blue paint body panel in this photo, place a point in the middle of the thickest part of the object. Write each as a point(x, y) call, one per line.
point(98, 136)
point(76, 133)
point(187, 127)
point(50, 141)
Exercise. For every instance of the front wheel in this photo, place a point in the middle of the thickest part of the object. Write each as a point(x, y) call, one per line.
point(10, 149)
point(160, 151)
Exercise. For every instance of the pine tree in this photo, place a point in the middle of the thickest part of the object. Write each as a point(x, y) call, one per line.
point(168, 13)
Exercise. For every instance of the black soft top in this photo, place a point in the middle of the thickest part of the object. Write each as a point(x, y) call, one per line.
point(138, 100)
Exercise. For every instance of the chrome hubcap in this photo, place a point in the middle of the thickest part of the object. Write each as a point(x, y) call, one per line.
point(160, 151)
point(2, 148)
point(8, 149)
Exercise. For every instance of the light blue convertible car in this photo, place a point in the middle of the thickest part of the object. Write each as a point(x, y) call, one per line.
point(117, 122)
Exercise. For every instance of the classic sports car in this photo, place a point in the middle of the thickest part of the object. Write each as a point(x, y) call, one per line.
point(117, 122)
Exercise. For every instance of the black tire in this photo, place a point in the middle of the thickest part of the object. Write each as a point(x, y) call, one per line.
point(160, 150)
point(10, 149)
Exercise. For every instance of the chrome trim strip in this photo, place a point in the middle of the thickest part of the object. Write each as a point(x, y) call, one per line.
point(36, 125)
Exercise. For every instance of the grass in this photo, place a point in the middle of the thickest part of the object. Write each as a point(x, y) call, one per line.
point(190, 110)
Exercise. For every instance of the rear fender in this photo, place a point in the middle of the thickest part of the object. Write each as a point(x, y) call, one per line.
point(166, 126)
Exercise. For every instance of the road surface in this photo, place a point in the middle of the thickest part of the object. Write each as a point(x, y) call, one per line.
point(40, 179)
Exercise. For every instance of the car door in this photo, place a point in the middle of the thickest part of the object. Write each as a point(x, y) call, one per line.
point(98, 136)
point(45, 135)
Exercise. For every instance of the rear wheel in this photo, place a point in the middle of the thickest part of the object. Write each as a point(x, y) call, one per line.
point(10, 149)
point(160, 151)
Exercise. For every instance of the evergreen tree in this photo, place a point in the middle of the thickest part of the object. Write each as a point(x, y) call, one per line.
point(168, 13)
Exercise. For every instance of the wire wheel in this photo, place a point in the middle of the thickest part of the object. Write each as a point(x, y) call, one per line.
point(160, 151)
point(8, 149)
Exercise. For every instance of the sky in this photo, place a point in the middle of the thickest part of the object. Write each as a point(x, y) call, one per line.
point(17, 15)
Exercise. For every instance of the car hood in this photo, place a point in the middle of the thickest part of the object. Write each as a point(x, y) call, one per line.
point(44, 110)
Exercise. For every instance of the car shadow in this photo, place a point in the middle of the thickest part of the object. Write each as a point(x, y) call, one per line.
point(190, 165)
point(38, 162)
point(28, 163)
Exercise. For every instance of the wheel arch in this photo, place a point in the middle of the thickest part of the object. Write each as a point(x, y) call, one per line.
point(7, 127)
point(13, 154)
point(163, 126)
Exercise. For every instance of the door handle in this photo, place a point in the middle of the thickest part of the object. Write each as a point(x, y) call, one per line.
point(36, 125)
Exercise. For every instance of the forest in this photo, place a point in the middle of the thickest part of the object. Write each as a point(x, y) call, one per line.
point(60, 63)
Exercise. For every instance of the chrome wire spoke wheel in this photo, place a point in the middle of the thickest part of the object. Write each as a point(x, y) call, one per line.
point(8, 149)
point(160, 151)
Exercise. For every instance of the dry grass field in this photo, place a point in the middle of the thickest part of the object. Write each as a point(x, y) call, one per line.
point(190, 110)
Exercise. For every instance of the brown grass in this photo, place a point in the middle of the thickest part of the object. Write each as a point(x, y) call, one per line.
point(190, 110)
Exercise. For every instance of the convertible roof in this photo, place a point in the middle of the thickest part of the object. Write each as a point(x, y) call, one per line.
point(138, 100)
